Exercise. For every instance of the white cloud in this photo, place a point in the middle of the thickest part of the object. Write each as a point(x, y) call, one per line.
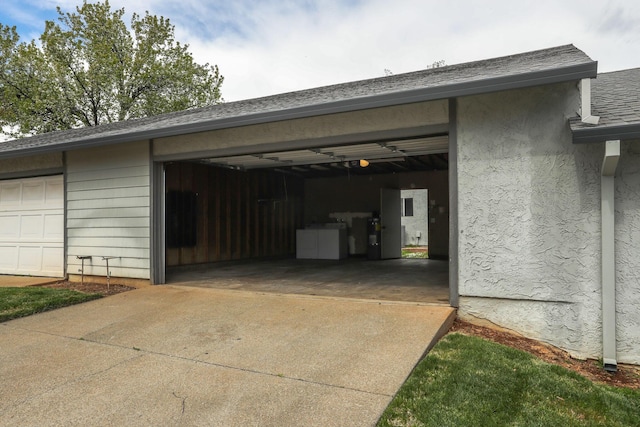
point(290, 48)
point(272, 46)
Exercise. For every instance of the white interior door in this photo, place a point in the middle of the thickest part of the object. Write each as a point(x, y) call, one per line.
point(390, 220)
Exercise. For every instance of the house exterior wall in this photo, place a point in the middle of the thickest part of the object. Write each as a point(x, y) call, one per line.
point(438, 187)
point(108, 210)
point(377, 119)
point(627, 246)
point(29, 165)
point(417, 223)
point(529, 217)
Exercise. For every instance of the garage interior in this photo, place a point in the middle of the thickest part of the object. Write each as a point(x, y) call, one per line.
point(235, 221)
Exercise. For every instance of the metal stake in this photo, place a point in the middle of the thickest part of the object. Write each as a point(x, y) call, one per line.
point(107, 258)
point(82, 270)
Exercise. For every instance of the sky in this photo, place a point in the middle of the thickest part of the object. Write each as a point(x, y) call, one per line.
point(266, 47)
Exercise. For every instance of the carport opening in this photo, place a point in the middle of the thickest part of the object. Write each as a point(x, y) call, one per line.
point(315, 228)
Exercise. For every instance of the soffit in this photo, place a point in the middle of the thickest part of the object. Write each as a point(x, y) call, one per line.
point(426, 153)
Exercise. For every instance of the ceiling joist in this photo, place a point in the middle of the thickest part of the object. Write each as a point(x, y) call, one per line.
point(425, 153)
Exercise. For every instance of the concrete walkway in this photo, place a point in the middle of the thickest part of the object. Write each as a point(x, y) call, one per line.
point(22, 281)
point(168, 355)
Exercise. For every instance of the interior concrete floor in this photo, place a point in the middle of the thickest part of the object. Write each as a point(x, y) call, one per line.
point(412, 280)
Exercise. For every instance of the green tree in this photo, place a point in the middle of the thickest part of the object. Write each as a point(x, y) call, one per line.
point(90, 69)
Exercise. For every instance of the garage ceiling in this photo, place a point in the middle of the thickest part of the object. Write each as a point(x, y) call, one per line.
point(405, 155)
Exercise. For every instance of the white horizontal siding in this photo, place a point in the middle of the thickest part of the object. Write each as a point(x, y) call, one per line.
point(101, 270)
point(108, 174)
point(98, 250)
point(113, 213)
point(107, 202)
point(113, 242)
point(125, 223)
point(99, 232)
point(97, 263)
point(108, 210)
point(108, 193)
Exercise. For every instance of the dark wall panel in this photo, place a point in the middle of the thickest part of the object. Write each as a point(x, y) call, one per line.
point(235, 214)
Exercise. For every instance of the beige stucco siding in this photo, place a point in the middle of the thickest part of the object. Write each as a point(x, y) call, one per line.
point(108, 210)
point(31, 164)
point(529, 217)
point(378, 119)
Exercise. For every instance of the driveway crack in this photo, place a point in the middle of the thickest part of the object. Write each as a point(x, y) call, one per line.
point(237, 368)
point(184, 399)
point(73, 380)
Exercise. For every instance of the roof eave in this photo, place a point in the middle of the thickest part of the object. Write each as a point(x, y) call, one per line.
point(606, 133)
point(576, 72)
point(468, 88)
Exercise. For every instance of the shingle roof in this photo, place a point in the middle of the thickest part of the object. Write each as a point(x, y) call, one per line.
point(563, 63)
point(615, 98)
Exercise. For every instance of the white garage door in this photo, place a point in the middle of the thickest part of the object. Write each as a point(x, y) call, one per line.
point(32, 226)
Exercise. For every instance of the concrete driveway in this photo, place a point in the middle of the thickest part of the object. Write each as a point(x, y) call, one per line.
point(168, 355)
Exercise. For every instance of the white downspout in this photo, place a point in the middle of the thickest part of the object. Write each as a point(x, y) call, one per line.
point(607, 196)
point(585, 103)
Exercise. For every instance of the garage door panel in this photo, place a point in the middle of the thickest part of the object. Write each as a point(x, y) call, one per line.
point(32, 226)
point(8, 258)
point(9, 226)
point(9, 194)
point(33, 193)
point(54, 193)
point(29, 258)
point(51, 259)
point(53, 226)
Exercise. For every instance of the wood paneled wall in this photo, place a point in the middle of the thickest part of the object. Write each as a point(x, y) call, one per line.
point(240, 214)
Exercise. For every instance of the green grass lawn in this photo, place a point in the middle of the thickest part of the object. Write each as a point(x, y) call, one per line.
point(469, 381)
point(20, 302)
point(410, 252)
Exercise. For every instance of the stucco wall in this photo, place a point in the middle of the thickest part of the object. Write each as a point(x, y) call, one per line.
point(28, 165)
point(627, 234)
point(529, 217)
point(416, 224)
point(377, 119)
